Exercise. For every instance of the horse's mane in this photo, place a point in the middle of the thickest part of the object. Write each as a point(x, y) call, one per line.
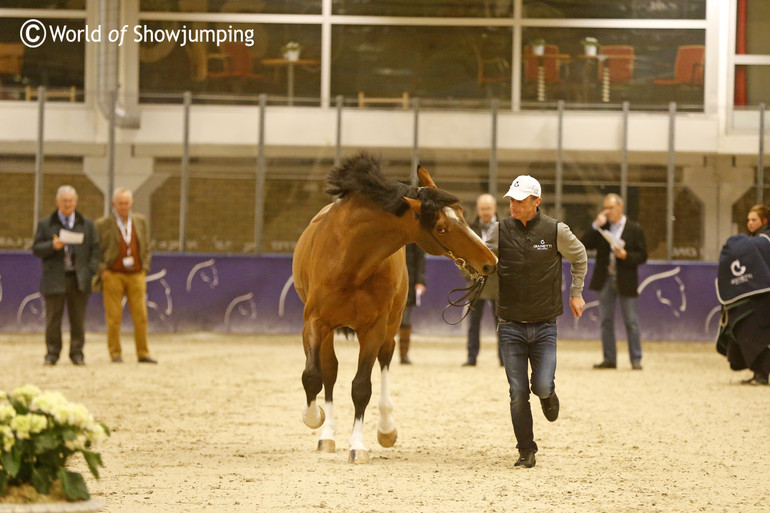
point(362, 174)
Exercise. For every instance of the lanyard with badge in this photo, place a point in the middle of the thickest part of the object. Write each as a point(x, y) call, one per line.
point(125, 232)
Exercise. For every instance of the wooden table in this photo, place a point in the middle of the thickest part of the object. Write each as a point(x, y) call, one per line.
point(289, 65)
point(541, 60)
point(605, 71)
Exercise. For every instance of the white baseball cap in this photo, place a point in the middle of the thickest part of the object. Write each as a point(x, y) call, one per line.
point(523, 186)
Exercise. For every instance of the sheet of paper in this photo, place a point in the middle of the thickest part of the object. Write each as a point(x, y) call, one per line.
point(70, 237)
point(614, 242)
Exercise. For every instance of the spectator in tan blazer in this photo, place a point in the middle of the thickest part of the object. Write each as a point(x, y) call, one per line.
point(125, 262)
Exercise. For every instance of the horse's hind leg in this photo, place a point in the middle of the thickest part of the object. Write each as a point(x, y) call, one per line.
point(386, 427)
point(329, 366)
point(362, 392)
point(312, 379)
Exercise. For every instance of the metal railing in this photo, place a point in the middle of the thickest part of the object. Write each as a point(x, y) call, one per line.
point(416, 106)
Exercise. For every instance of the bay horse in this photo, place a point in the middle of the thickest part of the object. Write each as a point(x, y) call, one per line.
point(349, 269)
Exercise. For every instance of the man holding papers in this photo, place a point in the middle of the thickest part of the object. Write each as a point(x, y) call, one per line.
point(68, 245)
point(620, 250)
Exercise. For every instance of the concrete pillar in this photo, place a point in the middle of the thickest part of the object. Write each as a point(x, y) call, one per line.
point(718, 189)
point(130, 171)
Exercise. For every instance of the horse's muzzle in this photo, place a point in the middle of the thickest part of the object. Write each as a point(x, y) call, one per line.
point(488, 269)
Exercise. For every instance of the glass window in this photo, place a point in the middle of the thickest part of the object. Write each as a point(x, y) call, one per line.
point(751, 85)
point(621, 9)
point(48, 4)
point(751, 36)
point(234, 6)
point(246, 65)
point(454, 63)
point(648, 67)
point(428, 8)
point(59, 66)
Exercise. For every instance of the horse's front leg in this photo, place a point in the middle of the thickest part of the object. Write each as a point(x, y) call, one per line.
point(361, 392)
point(386, 427)
point(329, 366)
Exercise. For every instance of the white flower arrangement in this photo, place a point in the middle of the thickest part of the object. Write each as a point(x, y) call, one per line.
point(39, 431)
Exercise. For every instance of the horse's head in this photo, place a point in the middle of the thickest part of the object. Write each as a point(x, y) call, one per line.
point(443, 230)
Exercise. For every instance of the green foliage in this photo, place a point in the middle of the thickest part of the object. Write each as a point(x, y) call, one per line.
point(73, 485)
point(39, 431)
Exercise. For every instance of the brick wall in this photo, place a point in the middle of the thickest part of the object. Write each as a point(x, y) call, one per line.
point(220, 214)
point(17, 203)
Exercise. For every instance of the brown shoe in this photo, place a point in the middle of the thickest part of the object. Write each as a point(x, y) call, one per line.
point(117, 359)
point(636, 365)
point(147, 359)
point(606, 365)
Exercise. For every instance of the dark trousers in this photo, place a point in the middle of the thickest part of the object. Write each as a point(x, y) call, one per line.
point(76, 301)
point(474, 329)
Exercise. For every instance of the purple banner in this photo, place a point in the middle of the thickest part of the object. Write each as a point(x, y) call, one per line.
point(254, 294)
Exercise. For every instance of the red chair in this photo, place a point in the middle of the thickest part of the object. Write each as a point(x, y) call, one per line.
point(235, 62)
point(620, 62)
point(688, 67)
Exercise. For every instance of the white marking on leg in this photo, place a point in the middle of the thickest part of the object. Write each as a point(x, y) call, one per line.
point(329, 428)
point(357, 436)
point(386, 424)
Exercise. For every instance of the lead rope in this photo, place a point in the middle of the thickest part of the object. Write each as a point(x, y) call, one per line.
point(472, 292)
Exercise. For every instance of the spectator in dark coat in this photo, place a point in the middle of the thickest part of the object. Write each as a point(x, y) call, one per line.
point(483, 225)
point(67, 272)
point(744, 335)
point(620, 250)
point(415, 264)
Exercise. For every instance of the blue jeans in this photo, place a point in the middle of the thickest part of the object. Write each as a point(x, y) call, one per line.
point(524, 344)
point(608, 296)
point(474, 329)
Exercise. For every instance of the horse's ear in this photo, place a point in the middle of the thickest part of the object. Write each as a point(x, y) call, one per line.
point(425, 178)
point(414, 204)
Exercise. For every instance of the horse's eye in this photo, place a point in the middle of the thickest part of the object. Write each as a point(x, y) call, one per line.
point(441, 230)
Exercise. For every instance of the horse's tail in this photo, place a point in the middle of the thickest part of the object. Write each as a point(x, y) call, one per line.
point(347, 331)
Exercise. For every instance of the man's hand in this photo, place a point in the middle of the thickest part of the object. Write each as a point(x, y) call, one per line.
point(621, 253)
point(57, 243)
point(576, 304)
point(601, 219)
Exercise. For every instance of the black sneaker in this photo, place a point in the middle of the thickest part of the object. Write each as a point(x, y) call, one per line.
point(526, 460)
point(606, 365)
point(469, 364)
point(550, 407)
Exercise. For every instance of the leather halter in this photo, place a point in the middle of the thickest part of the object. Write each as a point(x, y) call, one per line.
point(472, 292)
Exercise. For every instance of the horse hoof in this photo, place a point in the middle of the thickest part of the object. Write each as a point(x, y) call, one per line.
point(358, 456)
point(314, 423)
point(389, 439)
point(326, 445)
